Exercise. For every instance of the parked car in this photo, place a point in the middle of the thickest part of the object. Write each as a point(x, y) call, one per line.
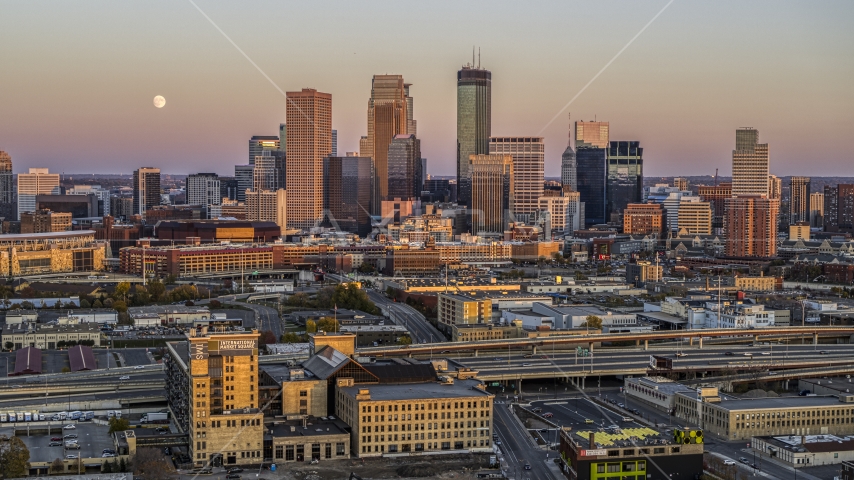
point(527, 466)
point(235, 470)
point(70, 435)
point(548, 415)
point(71, 457)
point(69, 427)
point(232, 475)
point(587, 420)
point(729, 462)
point(55, 439)
point(744, 460)
point(108, 450)
point(54, 444)
point(108, 455)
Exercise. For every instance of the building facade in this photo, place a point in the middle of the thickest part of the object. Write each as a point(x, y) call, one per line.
point(146, 190)
point(309, 141)
point(694, 217)
point(492, 183)
point(799, 200)
point(259, 143)
point(750, 226)
point(592, 175)
point(8, 208)
point(203, 189)
point(267, 206)
point(528, 155)
point(347, 190)
point(566, 212)
point(625, 176)
point(38, 181)
point(45, 221)
point(817, 210)
point(643, 219)
point(41, 253)
point(404, 163)
point(750, 164)
point(592, 134)
point(474, 122)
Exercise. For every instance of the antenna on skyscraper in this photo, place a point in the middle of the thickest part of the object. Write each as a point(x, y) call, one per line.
point(569, 132)
point(472, 56)
point(478, 58)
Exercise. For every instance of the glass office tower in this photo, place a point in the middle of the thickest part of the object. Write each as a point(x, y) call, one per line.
point(625, 176)
point(591, 176)
point(474, 123)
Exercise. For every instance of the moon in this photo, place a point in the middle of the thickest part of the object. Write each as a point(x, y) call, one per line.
point(159, 101)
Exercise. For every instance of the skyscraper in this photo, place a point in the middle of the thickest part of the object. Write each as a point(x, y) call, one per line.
point(643, 219)
point(694, 216)
point(528, 171)
point(203, 189)
point(592, 174)
point(750, 226)
point(267, 206)
point(265, 175)
point(404, 165)
point(259, 143)
point(244, 176)
point(566, 212)
point(838, 208)
point(750, 164)
point(775, 187)
point(625, 176)
point(8, 209)
point(37, 182)
point(389, 114)
point(799, 200)
point(831, 208)
point(592, 134)
point(817, 210)
point(347, 193)
point(309, 140)
point(569, 169)
point(146, 189)
point(492, 193)
point(334, 143)
point(474, 122)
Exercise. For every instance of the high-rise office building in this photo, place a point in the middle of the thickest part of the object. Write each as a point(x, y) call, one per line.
point(716, 195)
point(265, 174)
point(309, 141)
point(228, 188)
point(259, 143)
point(566, 212)
point(493, 181)
point(625, 176)
point(528, 171)
point(838, 208)
point(592, 134)
point(643, 219)
point(750, 226)
point(146, 189)
point(244, 175)
point(591, 178)
point(421, 177)
point(775, 187)
point(39, 181)
point(694, 217)
point(203, 189)
point(404, 165)
point(474, 122)
point(750, 164)
point(799, 200)
point(8, 208)
point(569, 169)
point(389, 114)
point(817, 210)
point(334, 143)
point(347, 191)
point(681, 183)
point(267, 206)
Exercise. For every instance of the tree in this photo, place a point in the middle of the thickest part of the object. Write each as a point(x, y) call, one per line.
point(592, 321)
point(404, 340)
point(156, 290)
point(151, 463)
point(57, 466)
point(182, 293)
point(215, 303)
point(141, 296)
point(123, 466)
point(366, 267)
point(66, 370)
point(298, 300)
point(9, 346)
point(328, 324)
point(267, 337)
point(310, 326)
point(122, 290)
point(119, 425)
point(107, 467)
point(97, 304)
point(291, 337)
point(108, 302)
point(170, 279)
point(85, 303)
point(120, 306)
point(352, 297)
point(14, 458)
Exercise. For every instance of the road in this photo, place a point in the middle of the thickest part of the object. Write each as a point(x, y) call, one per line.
point(266, 318)
point(421, 330)
point(519, 449)
point(547, 364)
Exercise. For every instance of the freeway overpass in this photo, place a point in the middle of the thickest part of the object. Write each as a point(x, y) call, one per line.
point(541, 343)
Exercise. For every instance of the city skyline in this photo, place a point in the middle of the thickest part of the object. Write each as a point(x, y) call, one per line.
point(698, 86)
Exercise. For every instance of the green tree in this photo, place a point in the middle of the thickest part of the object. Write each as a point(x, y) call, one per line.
point(14, 458)
point(118, 425)
point(97, 304)
point(366, 267)
point(107, 467)
point(9, 345)
point(123, 466)
point(298, 300)
point(291, 337)
point(141, 296)
point(352, 297)
point(66, 370)
point(182, 293)
point(156, 289)
point(310, 326)
point(592, 321)
point(404, 340)
point(328, 324)
point(170, 279)
point(120, 306)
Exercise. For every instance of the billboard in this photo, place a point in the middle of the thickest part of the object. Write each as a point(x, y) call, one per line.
point(594, 453)
point(235, 347)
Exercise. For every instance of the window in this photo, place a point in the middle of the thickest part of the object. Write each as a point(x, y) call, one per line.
point(289, 453)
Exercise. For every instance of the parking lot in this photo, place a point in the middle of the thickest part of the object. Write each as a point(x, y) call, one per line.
point(93, 439)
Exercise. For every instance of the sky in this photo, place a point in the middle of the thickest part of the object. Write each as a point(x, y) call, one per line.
point(77, 79)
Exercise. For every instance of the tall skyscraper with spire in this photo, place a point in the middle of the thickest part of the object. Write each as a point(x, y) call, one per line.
point(474, 122)
point(309, 139)
point(569, 165)
point(389, 114)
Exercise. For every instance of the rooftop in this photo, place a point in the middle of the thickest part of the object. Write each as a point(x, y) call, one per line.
point(420, 391)
point(313, 427)
point(772, 403)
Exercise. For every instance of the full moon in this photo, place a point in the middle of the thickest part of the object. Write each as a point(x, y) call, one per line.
point(159, 101)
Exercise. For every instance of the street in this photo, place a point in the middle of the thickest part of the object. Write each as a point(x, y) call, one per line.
point(421, 330)
point(519, 449)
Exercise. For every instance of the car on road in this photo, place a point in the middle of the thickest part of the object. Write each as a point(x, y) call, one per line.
point(537, 410)
point(124, 377)
point(70, 435)
point(766, 353)
point(681, 354)
point(71, 457)
point(235, 470)
point(729, 353)
point(548, 415)
point(108, 450)
point(587, 420)
point(744, 460)
point(108, 455)
point(69, 427)
point(620, 405)
point(823, 352)
point(526, 364)
point(497, 443)
point(139, 367)
point(232, 475)
point(527, 466)
point(729, 462)
point(54, 444)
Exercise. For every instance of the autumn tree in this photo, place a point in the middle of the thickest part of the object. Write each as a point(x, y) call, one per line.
point(310, 326)
point(291, 337)
point(150, 463)
point(57, 466)
point(119, 425)
point(592, 321)
point(328, 324)
point(14, 458)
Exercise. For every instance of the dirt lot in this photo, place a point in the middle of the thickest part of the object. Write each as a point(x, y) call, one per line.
point(433, 466)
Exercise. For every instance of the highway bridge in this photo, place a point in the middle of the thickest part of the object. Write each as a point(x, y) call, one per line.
point(544, 343)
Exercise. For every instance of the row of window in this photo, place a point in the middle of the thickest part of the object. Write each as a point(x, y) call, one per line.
point(297, 452)
point(430, 426)
point(430, 406)
point(419, 447)
point(420, 436)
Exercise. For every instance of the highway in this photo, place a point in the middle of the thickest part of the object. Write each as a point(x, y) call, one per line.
point(266, 318)
point(421, 330)
point(636, 362)
point(519, 449)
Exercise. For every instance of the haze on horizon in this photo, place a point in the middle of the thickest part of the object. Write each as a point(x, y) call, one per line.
point(77, 84)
